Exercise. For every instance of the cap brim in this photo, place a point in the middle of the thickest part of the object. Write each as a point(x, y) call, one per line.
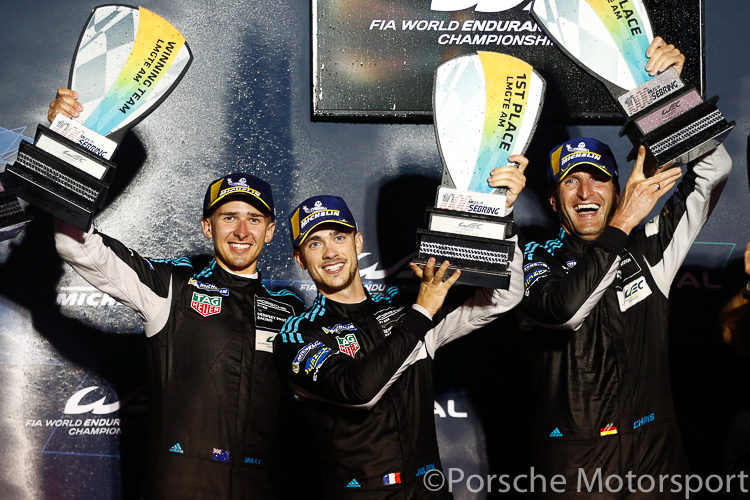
point(310, 229)
point(235, 194)
point(580, 163)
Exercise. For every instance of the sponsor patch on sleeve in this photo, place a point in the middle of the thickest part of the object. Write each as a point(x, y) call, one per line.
point(533, 276)
point(532, 265)
point(315, 361)
point(302, 353)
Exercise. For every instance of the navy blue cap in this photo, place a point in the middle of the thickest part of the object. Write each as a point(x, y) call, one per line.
point(315, 211)
point(581, 151)
point(238, 184)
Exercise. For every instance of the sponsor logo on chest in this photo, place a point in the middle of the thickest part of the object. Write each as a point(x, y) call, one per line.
point(205, 305)
point(208, 286)
point(388, 317)
point(348, 344)
point(339, 328)
point(270, 315)
point(632, 293)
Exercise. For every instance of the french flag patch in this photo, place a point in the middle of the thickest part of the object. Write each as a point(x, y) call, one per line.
point(392, 478)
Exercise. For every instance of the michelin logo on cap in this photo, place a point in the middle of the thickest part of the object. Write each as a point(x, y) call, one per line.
point(244, 189)
point(581, 151)
point(316, 207)
point(317, 215)
point(585, 154)
point(581, 147)
point(241, 182)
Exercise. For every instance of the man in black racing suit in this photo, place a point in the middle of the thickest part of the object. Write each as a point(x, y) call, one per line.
point(214, 391)
point(602, 385)
point(363, 362)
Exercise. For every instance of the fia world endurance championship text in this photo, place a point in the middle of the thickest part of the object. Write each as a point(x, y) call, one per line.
point(592, 482)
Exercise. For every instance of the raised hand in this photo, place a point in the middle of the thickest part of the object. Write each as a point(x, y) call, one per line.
point(663, 55)
point(65, 102)
point(432, 289)
point(510, 177)
point(641, 194)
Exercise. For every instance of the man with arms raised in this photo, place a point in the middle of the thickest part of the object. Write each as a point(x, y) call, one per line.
point(214, 392)
point(599, 292)
point(364, 363)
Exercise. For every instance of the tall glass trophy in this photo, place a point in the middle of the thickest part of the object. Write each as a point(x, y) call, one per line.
point(128, 60)
point(486, 107)
point(609, 40)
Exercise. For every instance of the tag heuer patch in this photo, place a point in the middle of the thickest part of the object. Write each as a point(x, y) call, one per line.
point(205, 304)
point(348, 344)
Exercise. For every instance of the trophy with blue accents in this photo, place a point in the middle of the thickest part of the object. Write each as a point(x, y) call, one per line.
point(609, 40)
point(486, 106)
point(128, 60)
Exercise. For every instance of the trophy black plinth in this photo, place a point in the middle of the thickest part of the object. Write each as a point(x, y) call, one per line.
point(467, 224)
point(483, 262)
point(61, 187)
point(679, 139)
point(13, 219)
point(672, 120)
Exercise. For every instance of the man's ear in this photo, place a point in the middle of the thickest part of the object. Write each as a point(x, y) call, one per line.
point(206, 226)
point(359, 242)
point(299, 259)
point(270, 229)
point(552, 197)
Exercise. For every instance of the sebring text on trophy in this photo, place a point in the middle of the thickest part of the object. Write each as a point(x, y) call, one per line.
point(486, 106)
point(609, 39)
point(128, 60)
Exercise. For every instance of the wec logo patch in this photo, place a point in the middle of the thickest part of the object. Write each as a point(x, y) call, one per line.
point(348, 344)
point(632, 293)
point(205, 305)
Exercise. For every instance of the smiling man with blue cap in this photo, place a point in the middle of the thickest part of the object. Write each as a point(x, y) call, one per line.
point(597, 306)
point(362, 363)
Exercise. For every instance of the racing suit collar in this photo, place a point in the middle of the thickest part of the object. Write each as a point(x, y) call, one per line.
point(573, 243)
point(223, 277)
point(355, 310)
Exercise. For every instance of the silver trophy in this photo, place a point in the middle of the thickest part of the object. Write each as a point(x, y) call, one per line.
point(486, 107)
point(128, 60)
point(609, 40)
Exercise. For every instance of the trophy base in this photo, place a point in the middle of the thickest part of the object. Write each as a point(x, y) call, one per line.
point(468, 224)
point(681, 143)
point(13, 220)
point(687, 152)
point(483, 261)
point(676, 130)
point(58, 187)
